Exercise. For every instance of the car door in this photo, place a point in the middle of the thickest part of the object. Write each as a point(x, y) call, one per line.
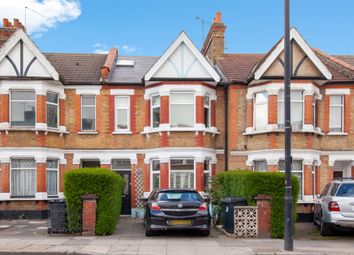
point(345, 199)
point(319, 203)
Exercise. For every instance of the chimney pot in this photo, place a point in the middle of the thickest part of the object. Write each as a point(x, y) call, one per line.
point(10, 24)
point(5, 22)
point(217, 18)
point(16, 23)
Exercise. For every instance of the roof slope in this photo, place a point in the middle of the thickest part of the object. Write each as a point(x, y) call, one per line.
point(78, 68)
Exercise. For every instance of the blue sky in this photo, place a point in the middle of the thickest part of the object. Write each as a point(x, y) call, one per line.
point(148, 27)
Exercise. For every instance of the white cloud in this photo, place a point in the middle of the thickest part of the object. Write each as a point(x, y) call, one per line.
point(128, 48)
point(100, 51)
point(55, 12)
point(103, 48)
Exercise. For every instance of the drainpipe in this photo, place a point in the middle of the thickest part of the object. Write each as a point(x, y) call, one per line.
point(226, 135)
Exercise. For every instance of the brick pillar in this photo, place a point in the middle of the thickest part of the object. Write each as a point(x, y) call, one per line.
point(199, 107)
point(77, 102)
point(61, 177)
point(89, 204)
point(249, 113)
point(4, 109)
point(132, 114)
point(147, 113)
point(164, 109)
point(199, 176)
point(147, 177)
point(107, 166)
point(273, 168)
point(61, 112)
point(164, 175)
point(308, 180)
point(308, 105)
point(330, 173)
point(41, 111)
point(5, 176)
point(317, 180)
point(325, 127)
point(264, 214)
point(41, 176)
point(272, 108)
point(213, 113)
point(213, 169)
point(347, 111)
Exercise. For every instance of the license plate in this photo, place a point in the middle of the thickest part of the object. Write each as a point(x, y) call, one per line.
point(179, 222)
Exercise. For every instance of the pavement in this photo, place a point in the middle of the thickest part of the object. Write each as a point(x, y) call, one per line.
point(31, 237)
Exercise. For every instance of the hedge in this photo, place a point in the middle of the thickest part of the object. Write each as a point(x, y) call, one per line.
point(107, 185)
point(249, 184)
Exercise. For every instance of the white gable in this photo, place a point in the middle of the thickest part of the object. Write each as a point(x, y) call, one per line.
point(19, 57)
point(278, 52)
point(182, 60)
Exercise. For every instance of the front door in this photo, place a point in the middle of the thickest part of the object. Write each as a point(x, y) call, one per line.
point(126, 199)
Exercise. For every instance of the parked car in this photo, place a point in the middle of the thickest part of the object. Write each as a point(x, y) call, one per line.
point(168, 209)
point(334, 207)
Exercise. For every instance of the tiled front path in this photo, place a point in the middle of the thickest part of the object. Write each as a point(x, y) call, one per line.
point(31, 236)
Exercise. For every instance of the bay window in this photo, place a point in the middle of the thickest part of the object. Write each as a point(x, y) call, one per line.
point(23, 178)
point(207, 175)
point(260, 166)
point(297, 103)
point(52, 177)
point(155, 111)
point(155, 174)
point(296, 170)
point(88, 113)
point(336, 113)
point(207, 111)
point(23, 108)
point(182, 109)
point(122, 117)
point(52, 110)
point(260, 111)
point(182, 173)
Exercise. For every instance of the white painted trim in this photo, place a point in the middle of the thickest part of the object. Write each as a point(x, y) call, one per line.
point(32, 152)
point(338, 92)
point(102, 155)
point(182, 38)
point(21, 35)
point(294, 35)
point(122, 92)
point(165, 90)
point(88, 90)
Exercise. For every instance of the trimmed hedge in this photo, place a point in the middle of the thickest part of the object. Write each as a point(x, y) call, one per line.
point(249, 184)
point(107, 185)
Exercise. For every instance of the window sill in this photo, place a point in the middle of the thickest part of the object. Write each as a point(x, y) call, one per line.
point(337, 134)
point(122, 132)
point(211, 130)
point(61, 130)
point(250, 132)
point(87, 132)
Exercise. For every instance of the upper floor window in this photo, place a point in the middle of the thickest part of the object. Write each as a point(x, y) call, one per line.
point(182, 109)
point(23, 178)
point(155, 111)
point(182, 173)
point(260, 166)
point(336, 113)
point(52, 110)
point(297, 102)
point(23, 108)
point(122, 104)
point(88, 113)
point(207, 111)
point(155, 173)
point(52, 177)
point(260, 111)
point(297, 170)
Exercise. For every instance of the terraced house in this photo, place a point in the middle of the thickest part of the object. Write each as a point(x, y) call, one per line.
point(173, 120)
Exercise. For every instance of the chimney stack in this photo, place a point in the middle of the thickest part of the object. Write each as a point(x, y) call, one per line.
point(16, 24)
point(109, 64)
point(214, 43)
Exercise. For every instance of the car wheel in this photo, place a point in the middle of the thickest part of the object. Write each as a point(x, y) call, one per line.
point(326, 229)
point(205, 232)
point(150, 232)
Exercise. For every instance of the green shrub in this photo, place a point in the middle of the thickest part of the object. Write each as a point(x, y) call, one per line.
point(249, 184)
point(107, 185)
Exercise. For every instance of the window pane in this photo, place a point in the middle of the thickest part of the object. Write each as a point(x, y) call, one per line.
point(281, 117)
point(52, 177)
point(52, 164)
point(23, 113)
point(260, 166)
point(23, 163)
point(182, 115)
point(182, 98)
point(182, 164)
point(88, 118)
point(336, 100)
point(156, 165)
point(121, 164)
point(261, 97)
point(206, 101)
point(23, 95)
point(155, 100)
point(336, 119)
point(23, 178)
point(296, 116)
point(122, 102)
point(155, 180)
point(182, 180)
point(52, 98)
point(206, 117)
point(88, 100)
point(261, 116)
point(296, 95)
point(52, 116)
point(122, 119)
point(156, 117)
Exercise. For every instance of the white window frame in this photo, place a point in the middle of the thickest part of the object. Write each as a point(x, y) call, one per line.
point(53, 169)
point(35, 178)
point(81, 115)
point(207, 106)
point(330, 115)
point(152, 172)
point(292, 101)
point(57, 105)
point(152, 107)
point(194, 108)
point(207, 171)
point(35, 108)
point(121, 169)
point(255, 112)
point(301, 195)
point(116, 114)
point(254, 165)
point(185, 171)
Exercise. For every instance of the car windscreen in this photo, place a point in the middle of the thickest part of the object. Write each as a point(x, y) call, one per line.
point(346, 190)
point(178, 196)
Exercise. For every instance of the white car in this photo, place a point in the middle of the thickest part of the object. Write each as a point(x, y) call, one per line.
point(334, 208)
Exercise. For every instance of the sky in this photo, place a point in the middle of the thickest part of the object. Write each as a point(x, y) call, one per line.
point(142, 27)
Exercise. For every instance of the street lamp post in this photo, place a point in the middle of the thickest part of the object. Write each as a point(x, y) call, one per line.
point(288, 200)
